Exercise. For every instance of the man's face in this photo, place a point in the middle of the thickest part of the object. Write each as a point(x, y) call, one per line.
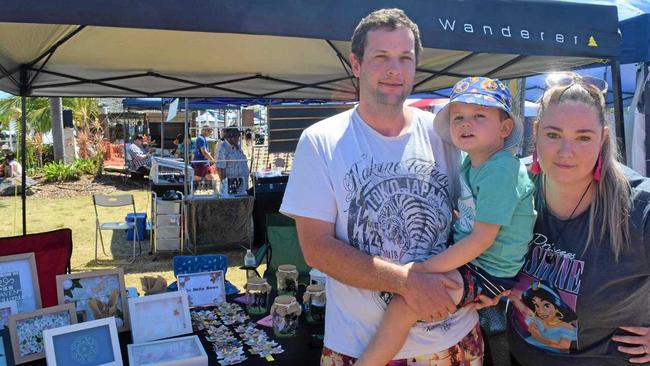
point(206, 132)
point(387, 71)
point(138, 142)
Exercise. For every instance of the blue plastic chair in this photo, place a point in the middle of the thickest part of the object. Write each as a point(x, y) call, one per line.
point(184, 264)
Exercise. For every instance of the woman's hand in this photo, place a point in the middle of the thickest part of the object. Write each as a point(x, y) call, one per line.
point(637, 345)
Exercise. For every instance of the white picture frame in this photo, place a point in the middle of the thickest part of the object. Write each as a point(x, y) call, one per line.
point(183, 351)
point(7, 309)
point(82, 288)
point(26, 330)
point(19, 281)
point(159, 316)
point(84, 344)
point(204, 288)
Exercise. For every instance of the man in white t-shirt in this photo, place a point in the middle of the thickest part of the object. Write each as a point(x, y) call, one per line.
point(370, 192)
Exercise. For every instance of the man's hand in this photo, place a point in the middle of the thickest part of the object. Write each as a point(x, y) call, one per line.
point(426, 294)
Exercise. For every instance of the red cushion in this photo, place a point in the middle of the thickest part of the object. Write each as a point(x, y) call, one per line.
point(53, 250)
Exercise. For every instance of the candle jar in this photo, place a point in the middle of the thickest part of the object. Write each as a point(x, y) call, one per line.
point(258, 293)
point(314, 303)
point(285, 312)
point(287, 276)
point(317, 277)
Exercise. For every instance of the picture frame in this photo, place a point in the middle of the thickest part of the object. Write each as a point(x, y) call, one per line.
point(159, 316)
point(26, 330)
point(7, 308)
point(94, 342)
point(19, 281)
point(204, 288)
point(183, 351)
point(96, 295)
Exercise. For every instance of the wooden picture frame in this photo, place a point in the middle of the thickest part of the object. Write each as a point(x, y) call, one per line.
point(204, 288)
point(18, 277)
point(26, 330)
point(159, 316)
point(182, 351)
point(82, 344)
point(81, 289)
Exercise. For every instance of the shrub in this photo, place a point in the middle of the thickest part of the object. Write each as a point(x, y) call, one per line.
point(86, 166)
point(60, 172)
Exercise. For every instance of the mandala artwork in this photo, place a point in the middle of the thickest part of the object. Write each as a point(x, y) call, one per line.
point(84, 349)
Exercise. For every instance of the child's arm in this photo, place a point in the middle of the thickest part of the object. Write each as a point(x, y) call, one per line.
point(462, 252)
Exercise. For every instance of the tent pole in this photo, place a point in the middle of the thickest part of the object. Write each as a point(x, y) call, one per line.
point(24, 80)
point(618, 107)
point(646, 112)
point(162, 127)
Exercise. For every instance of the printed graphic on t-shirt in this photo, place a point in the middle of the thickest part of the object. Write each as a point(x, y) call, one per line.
point(397, 210)
point(545, 297)
point(466, 209)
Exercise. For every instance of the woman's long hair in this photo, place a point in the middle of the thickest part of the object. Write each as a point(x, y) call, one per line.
point(610, 209)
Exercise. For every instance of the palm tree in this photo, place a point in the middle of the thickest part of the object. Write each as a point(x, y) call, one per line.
point(39, 117)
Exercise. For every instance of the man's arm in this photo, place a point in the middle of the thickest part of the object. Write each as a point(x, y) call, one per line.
point(206, 154)
point(481, 238)
point(425, 293)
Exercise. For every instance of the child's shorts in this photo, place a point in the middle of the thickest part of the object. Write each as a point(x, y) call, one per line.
point(477, 281)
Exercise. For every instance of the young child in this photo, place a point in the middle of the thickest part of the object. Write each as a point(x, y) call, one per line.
point(496, 214)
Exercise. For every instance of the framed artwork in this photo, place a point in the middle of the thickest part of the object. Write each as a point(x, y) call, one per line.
point(26, 330)
point(203, 289)
point(93, 343)
point(7, 309)
point(96, 295)
point(159, 316)
point(19, 281)
point(183, 351)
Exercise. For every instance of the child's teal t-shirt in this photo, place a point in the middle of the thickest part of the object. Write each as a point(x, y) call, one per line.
point(498, 192)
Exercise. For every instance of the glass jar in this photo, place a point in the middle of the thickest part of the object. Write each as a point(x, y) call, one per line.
point(287, 276)
point(314, 303)
point(258, 292)
point(285, 312)
point(317, 277)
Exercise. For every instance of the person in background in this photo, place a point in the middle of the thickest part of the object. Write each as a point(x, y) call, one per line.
point(202, 160)
point(179, 142)
point(232, 164)
point(140, 160)
point(14, 169)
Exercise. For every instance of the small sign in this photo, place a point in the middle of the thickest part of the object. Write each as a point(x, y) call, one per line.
point(203, 289)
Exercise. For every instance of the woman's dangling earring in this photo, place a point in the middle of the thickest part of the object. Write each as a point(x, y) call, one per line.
point(535, 168)
point(599, 167)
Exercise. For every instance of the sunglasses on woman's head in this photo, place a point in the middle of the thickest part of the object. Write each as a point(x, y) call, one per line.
point(565, 80)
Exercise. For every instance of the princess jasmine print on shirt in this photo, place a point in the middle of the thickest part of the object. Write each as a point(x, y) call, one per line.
point(545, 297)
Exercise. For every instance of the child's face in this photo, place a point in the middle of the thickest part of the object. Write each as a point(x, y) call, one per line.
point(478, 130)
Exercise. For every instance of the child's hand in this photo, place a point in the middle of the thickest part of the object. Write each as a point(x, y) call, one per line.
point(483, 301)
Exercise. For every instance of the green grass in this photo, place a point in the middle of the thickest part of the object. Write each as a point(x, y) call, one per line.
point(77, 213)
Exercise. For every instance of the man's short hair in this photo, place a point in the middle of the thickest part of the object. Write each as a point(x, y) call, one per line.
point(390, 19)
point(138, 137)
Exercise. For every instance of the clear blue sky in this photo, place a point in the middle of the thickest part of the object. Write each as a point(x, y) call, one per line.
point(3, 95)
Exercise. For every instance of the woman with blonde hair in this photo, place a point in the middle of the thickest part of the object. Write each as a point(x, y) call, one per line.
point(591, 240)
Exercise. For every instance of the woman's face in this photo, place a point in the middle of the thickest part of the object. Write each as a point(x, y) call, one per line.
point(544, 309)
point(569, 138)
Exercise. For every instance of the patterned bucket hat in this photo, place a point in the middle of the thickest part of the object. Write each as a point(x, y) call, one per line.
point(485, 92)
